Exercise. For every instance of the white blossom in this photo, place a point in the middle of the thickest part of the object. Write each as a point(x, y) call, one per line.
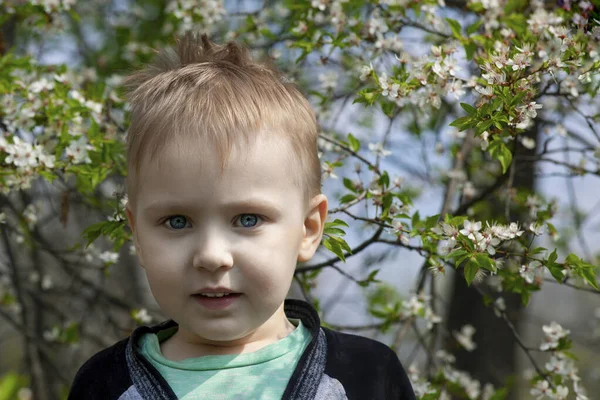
point(329, 79)
point(537, 229)
point(529, 110)
point(541, 389)
point(377, 149)
point(552, 334)
point(47, 283)
point(499, 306)
point(365, 71)
point(470, 228)
point(41, 85)
point(142, 316)
point(528, 271)
point(21, 154)
point(25, 393)
point(465, 337)
point(78, 151)
point(109, 257)
point(527, 142)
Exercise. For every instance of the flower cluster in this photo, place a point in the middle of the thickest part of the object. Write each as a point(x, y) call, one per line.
point(530, 270)
point(93, 254)
point(78, 149)
point(141, 316)
point(24, 155)
point(563, 369)
point(54, 6)
point(448, 375)
point(325, 10)
point(552, 334)
point(419, 306)
point(192, 12)
point(465, 337)
point(485, 241)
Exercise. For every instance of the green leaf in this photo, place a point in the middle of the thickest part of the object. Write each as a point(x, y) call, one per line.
point(457, 253)
point(354, 143)
point(554, 268)
point(525, 297)
point(348, 184)
point(483, 126)
point(92, 232)
point(513, 6)
point(10, 385)
point(455, 27)
point(517, 98)
point(552, 257)
point(537, 250)
point(71, 333)
point(416, 218)
point(468, 108)
point(485, 262)
point(384, 179)
point(347, 198)
point(589, 274)
point(336, 222)
point(369, 279)
point(367, 96)
point(471, 270)
point(388, 108)
point(474, 27)
point(573, 260)
point(431, 221)
point(342, 244)
point(335, 231)
point(334, 247)
point(583, 269)
point(499, 151)
point(470, 48)
point(462, 123)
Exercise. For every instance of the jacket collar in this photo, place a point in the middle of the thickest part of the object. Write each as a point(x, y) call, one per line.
point(303, 382)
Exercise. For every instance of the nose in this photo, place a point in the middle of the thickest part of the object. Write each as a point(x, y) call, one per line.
point(212, 252)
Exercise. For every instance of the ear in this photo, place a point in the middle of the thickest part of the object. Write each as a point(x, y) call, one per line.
point(313, 227)
point(138, 249)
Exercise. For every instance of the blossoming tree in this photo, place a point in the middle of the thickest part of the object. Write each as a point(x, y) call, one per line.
point(449, 103)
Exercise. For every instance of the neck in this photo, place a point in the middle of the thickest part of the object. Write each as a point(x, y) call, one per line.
point(183, 345)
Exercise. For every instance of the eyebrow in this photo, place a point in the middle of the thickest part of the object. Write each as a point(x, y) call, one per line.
point(255, 204)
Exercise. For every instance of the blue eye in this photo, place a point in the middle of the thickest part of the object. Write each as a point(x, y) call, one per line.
point(251, 219)
point(177, 222)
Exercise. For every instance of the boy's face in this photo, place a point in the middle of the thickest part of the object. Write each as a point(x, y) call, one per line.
point(190, 235)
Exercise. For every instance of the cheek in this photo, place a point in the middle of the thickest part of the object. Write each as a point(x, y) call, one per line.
point(162, 257)
point(268, 269)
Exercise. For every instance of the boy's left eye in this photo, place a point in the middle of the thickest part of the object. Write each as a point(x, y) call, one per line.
point(249, 220)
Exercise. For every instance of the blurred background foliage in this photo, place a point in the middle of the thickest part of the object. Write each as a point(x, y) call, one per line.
point(61, 66)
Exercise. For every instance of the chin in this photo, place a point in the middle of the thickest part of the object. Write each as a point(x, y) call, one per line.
point(221, 336)
point(219, 331)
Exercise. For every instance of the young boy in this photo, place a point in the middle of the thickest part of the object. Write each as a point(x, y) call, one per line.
point(224, 191)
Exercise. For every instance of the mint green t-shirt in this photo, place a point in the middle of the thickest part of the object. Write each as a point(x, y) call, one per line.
point(263, 374)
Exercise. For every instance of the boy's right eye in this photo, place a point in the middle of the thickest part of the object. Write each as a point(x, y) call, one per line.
point(176, 222)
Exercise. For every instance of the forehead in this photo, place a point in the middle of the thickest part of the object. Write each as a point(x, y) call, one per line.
point(190, 171)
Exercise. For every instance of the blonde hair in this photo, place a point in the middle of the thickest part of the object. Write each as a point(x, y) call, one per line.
point(217, 93)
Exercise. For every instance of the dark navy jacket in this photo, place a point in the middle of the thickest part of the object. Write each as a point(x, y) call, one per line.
point(334, 366)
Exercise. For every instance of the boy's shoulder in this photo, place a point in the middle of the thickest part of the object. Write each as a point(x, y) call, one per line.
point(366, 367)
point(356, 346)
point(104, 375)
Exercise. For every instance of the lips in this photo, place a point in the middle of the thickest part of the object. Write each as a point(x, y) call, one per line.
point(217, 303)
point(219, 290)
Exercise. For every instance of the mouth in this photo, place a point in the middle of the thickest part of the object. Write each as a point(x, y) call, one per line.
point(215, 292)
point(215, 295)
point(217, 301)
